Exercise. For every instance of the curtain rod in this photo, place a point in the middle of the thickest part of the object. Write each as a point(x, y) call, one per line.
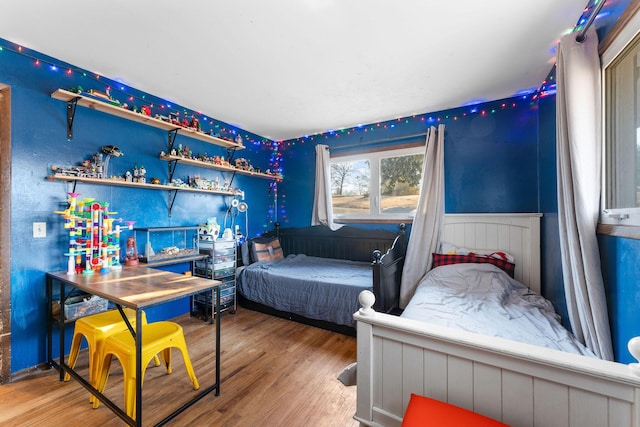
point(582, 34)
point(369, 143)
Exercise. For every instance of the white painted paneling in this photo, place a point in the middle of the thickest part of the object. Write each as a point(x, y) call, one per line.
point(620, 413)
point(587, 408)
point(435, 375)
point(392, 389)
point(412, 372)
point(552, 404)
point(487, 390)
point(518, 234)
point(460, 372)
point(535, 387)
point(517, 399)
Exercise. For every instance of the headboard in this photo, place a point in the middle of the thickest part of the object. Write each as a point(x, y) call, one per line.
point(516, 233)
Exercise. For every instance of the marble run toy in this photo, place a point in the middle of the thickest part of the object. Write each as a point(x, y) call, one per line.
point(94, 242)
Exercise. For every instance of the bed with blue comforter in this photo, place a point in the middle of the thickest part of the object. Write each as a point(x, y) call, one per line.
point(317, 288)
point(314, 275)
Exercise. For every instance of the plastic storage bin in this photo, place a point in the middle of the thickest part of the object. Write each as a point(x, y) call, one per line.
point(80, 306)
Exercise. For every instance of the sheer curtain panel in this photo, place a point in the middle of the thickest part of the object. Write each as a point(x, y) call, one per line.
point(425, 231)
point(322, 209)
point(579, 157)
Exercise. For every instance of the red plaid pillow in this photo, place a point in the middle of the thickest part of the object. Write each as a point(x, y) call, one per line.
point(447, 259)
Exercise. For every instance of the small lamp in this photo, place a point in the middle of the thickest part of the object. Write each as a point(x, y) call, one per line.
point(131, 257)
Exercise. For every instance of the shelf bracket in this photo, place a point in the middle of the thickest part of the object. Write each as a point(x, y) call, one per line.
point(172, 199)
point(233, 175)
point(172, 138)
point(71, 113)
point(172, 169)
point(231, 151)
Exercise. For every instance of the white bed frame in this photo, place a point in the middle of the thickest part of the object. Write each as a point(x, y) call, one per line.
point(519, 384)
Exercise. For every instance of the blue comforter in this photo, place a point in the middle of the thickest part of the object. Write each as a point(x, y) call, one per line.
point(316, 288)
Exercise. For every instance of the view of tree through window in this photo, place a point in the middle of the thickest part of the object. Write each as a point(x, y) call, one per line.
point(377, 184)
point(400, 181)
point(350, 187)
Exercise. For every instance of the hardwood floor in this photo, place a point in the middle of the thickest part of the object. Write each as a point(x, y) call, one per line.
point(274, 372)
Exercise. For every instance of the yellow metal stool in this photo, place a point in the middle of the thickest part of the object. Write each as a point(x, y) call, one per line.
point(157, 337)
point(95, 329)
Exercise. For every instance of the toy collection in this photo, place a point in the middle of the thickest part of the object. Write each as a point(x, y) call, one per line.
point(240, 163)
point(94, 242)
point(187, 121)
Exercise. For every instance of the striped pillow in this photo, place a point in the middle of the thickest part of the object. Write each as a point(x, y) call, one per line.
point(270, 251)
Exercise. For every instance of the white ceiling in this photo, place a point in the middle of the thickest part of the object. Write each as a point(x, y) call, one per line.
point(288, 68)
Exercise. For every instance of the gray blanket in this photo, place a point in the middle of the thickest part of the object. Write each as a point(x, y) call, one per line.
point(316, 288)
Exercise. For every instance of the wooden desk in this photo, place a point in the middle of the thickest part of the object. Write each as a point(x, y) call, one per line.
point(137, 288)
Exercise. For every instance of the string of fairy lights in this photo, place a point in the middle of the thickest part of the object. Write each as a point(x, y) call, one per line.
point(363, 132)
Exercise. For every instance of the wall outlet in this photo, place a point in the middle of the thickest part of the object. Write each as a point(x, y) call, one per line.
point(39, 230)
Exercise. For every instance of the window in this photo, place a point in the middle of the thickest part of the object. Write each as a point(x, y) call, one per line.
point(377, 185)
point(621, 189)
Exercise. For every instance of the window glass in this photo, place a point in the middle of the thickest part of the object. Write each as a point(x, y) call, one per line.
point(621, 189)
point(623, 129)
point(383, 184)
point(400, 178)
point(350, 182)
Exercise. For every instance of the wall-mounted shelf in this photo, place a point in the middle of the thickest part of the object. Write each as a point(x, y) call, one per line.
point(73, 99)
point(172, 189)
point(106, 181)
point(209, 165)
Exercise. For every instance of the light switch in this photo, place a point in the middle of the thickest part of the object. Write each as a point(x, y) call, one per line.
point(39, 230)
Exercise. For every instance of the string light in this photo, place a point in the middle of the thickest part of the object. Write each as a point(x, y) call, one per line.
point(132, 95)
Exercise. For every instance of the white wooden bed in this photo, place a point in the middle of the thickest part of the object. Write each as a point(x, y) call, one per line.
point(519, 384)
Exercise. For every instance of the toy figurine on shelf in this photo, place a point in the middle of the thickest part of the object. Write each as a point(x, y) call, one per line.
point(131, 252)
point(195, 123)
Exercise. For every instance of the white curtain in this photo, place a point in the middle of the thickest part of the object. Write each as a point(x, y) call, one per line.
point(425, 231)
point(322, 209)
point(578, 139)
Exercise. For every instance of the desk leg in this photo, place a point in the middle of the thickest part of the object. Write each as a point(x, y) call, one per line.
point(138, 340)
point(49, 321)
point(61, 329)
point(217, 292)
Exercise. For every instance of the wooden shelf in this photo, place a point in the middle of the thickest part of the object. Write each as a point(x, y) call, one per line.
point(102, 181)
point(201, 164)
point(114, 110)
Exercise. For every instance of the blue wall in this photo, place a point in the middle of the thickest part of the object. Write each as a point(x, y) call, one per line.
point(39, 140)
point(620, 258)
point(491, 156)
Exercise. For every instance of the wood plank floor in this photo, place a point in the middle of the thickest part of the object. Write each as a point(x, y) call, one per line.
point(274, 372)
